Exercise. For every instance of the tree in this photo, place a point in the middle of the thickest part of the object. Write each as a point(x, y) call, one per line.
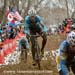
point(3, 11)
point(67, 9)
point(73, 13)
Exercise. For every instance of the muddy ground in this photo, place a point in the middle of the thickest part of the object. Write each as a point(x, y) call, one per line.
point(48, 67)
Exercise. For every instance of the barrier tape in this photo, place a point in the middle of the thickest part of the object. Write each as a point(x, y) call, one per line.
point(9, 46)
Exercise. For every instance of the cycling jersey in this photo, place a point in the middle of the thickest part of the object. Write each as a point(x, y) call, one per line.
point(28, 24)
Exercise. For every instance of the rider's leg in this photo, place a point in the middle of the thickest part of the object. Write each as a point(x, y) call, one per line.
point(33, 51)
point(43, 43)
point(64, 68)
point(73, 66)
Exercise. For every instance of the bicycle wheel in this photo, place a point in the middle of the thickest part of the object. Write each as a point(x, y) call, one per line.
point(37, 56)
point(25, 55)
point(35, 51)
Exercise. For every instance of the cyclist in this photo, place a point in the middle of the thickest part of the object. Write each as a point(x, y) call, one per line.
point(65, 57)
point(23, 44)
point(33, 25)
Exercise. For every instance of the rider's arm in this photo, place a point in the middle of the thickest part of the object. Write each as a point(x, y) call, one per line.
point(41, 23)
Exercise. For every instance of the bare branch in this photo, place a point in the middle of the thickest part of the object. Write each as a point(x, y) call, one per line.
point(39, 2)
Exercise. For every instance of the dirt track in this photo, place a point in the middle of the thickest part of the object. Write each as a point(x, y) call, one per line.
point(48, 67)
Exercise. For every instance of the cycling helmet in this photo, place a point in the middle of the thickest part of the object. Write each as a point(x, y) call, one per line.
point(32, 12)
point(71, 38)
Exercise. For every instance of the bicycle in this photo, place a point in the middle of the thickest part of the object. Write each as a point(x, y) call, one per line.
point(36, 50)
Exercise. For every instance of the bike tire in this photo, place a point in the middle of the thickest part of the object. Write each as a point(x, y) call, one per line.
point(38, 56)
point(25, 55)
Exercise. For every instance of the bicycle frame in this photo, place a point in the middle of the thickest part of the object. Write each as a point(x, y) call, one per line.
point(36, 50)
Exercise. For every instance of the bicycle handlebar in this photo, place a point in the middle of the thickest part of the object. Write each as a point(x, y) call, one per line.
point(34, 35)
point(38, 35)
